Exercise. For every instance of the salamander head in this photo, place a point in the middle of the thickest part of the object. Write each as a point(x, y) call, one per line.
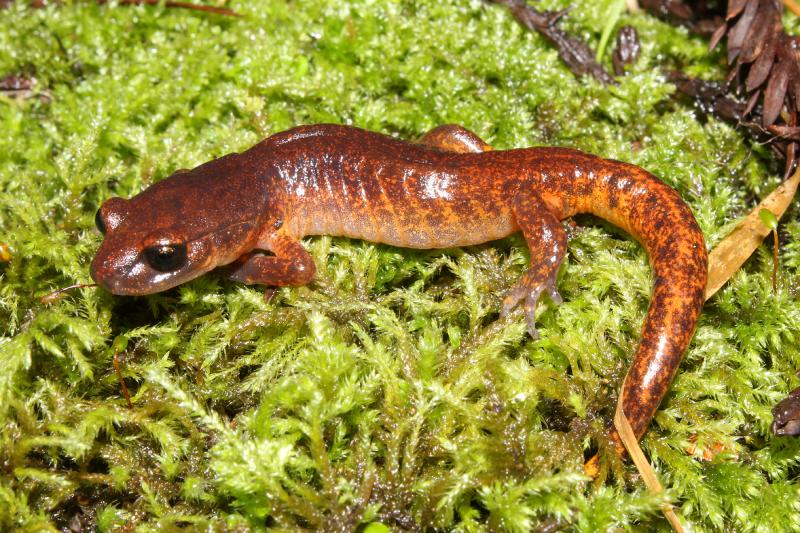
point(174, 231)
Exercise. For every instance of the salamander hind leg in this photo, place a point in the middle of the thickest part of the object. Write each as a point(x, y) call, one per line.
point(454, 138)
point(290, 266)
point(547, 242)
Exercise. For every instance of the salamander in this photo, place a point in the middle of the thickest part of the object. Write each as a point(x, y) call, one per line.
point(249, 210)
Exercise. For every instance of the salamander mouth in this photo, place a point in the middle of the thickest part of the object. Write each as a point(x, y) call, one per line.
point(129, 284)
point(126, 287)
point(136, 278)
point(122, 286)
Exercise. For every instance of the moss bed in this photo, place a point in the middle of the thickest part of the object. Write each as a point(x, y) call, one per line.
point(387, 395)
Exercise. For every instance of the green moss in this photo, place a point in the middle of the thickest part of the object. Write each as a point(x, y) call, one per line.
point(386, 393)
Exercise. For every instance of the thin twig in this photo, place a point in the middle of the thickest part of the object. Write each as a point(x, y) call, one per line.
point(56, 295)
point(774, 260)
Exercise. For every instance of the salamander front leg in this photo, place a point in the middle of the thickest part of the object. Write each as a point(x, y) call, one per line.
point(290, 266)
point(547, 242)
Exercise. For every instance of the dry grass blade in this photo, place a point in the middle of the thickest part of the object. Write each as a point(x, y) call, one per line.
point(730, 254)
point(792, 6)
point(649, 477)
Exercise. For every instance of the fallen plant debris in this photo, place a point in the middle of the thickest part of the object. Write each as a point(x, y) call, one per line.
point(768, 59)
point(758, 38)
point(627, 49)
point(712, 98)
point(765, 65)
point(575, 53)
point(758, 49)
point(649, 477)
point(702, 17)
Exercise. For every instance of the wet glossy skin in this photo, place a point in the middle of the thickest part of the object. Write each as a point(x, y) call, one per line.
point(450, 189)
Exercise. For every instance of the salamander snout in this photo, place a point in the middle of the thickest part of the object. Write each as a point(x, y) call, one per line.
point(139, 257)
point(137, 270)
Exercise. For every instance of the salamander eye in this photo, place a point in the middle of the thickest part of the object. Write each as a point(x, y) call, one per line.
point(166, 257)
point(99, 222)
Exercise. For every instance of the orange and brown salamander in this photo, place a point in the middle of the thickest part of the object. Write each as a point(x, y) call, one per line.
point(449, 189)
